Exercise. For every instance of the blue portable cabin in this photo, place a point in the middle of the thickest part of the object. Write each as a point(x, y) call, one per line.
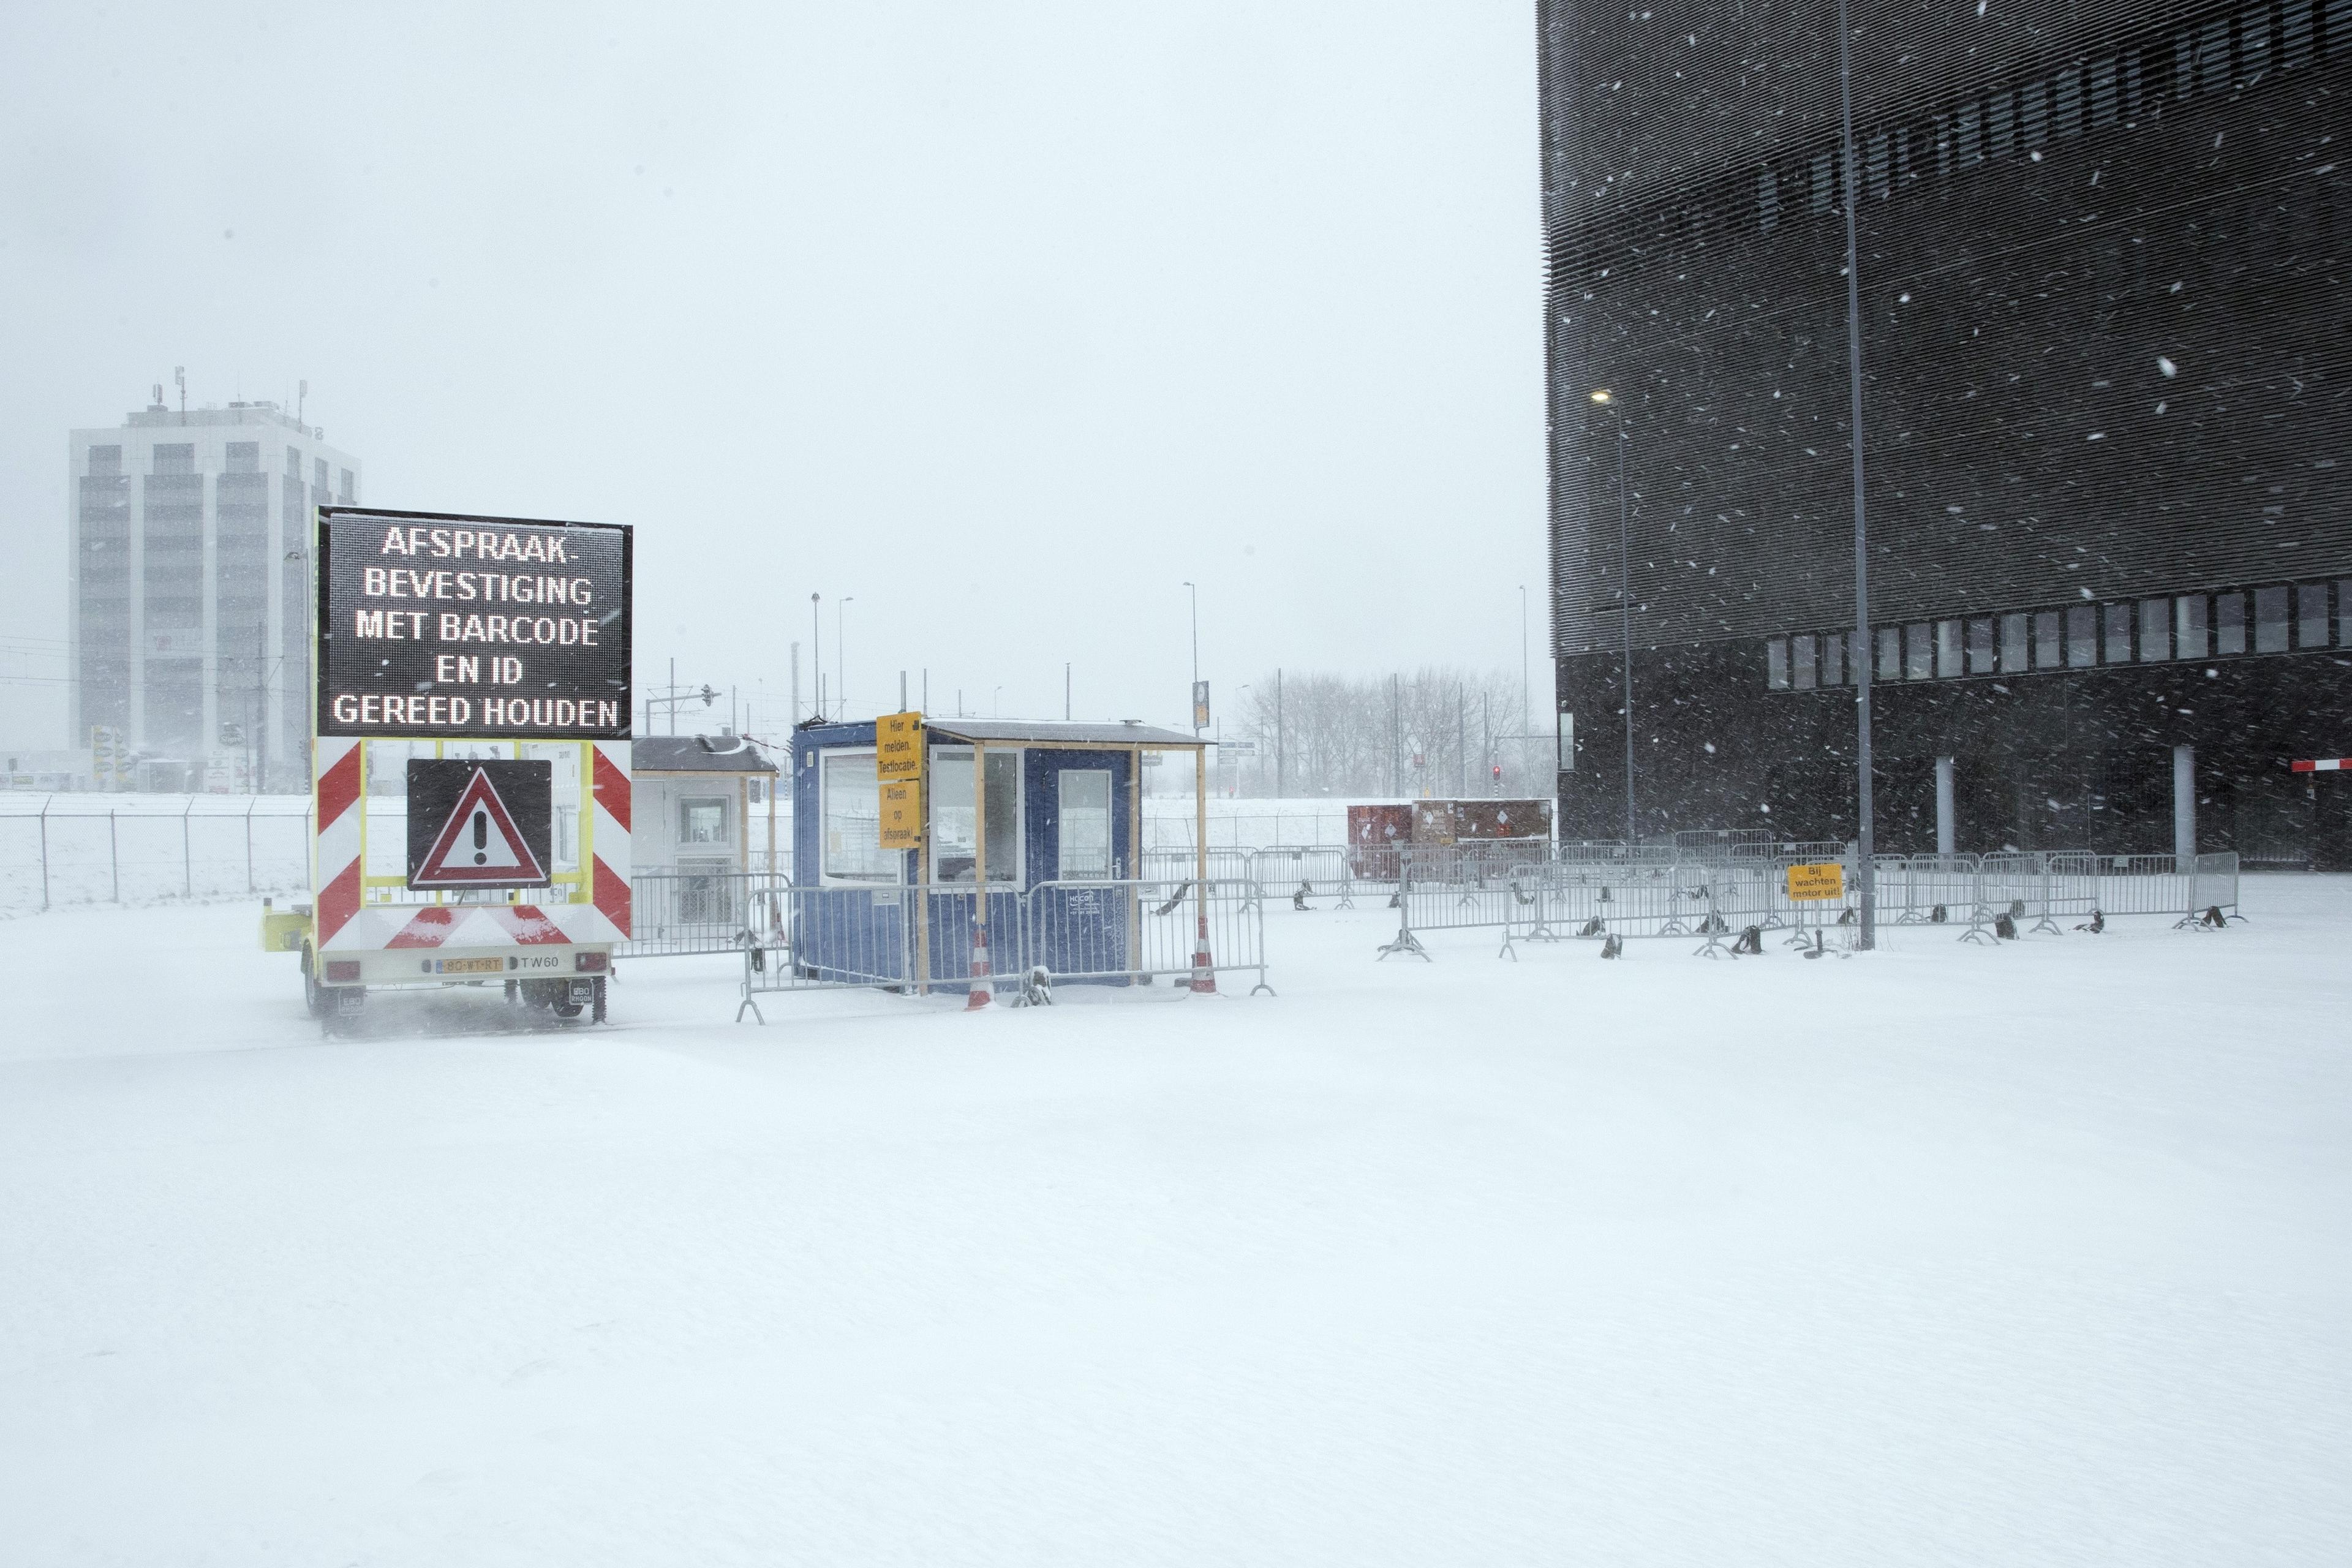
point(1054, 813)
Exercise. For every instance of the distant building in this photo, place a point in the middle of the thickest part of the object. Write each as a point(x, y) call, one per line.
point(187, 588)
point(2102, 412)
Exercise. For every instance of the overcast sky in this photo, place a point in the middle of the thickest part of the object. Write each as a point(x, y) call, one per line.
point(1004, 319)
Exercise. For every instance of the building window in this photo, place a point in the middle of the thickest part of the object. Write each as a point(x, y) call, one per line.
point(346, 489)
point(1980, 646)
point(175, 458)
point(294, 463)
point(2189, 638)
point(105, 462)
point(2119, 618)
point(1803, 653)
point(2311, 614)
point(2155, 630)
point(1918, 652)
point(2270, 620)
point(245, 457)
point(953, 844)
point(850, 820)
point(702, 820)
point(2344, 611)
point(319, 473)
point(2012, 644)
point(2081, 636)
point(1890, 653)
point(1084, 810)
point(1948, 648)
point(2229, 623)
point(2049, 652)
point(1776, 664)
point(1833, 660)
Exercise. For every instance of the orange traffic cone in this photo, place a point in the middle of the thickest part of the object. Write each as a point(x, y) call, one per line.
point(980, 993)
point(1204, 973)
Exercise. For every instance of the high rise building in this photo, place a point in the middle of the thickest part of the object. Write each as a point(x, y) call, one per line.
point(189, 617)
point(2104, 385)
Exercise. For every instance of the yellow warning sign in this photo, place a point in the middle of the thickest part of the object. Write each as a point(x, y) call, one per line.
point(898, 747)
point(902, 815)
point(1811, 884)
point(898, 772)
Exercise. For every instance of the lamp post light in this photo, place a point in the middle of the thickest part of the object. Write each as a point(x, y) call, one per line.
point(1624, 604)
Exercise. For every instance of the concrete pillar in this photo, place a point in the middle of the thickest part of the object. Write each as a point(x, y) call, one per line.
point(1945, 823)
point(2184, 801)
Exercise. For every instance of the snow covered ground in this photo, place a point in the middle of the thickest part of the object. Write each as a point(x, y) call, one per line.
point(1943, 1255)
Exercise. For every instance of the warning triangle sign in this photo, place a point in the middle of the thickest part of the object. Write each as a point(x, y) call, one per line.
point(480, 845)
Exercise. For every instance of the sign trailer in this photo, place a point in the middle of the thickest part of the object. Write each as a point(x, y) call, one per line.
point(471, 685)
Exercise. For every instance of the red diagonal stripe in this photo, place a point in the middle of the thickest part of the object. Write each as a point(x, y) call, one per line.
point(339, 786)
point(612, 894)
point(527, 924)
point(612, 789)
point(428, 926)
point(338, 902)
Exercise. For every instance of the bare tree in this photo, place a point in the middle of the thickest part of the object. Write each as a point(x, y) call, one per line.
point(1435, 731)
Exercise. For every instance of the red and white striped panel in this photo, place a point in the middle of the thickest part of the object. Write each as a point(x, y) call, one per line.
point(378, 927)
point(2325, 765)
point(336, 847)
point(349, 924)
point(609, 875)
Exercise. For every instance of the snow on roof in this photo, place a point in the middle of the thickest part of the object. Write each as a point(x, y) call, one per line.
point(1083, 731)
point(697, 755)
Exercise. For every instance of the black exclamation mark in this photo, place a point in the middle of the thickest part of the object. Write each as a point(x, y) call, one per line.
point(481, 835)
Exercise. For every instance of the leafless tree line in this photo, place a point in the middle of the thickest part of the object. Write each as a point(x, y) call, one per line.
point(1434, 731)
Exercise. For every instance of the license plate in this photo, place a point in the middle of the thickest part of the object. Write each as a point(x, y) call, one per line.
point(469, 966)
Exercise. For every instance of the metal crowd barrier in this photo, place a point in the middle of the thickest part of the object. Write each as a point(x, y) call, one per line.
point(1305, 872)
point(921, 938)
point(675, 914)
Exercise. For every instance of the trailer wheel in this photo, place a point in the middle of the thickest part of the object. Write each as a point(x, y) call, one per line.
point(564, 1009)
point(316, 997)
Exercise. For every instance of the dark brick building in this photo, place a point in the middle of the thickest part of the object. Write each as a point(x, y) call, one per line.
point(2106, 406)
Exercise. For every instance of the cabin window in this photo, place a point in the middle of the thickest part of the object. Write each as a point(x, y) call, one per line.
point(954, 847)
point(852, 821)
point(702, 819)
point(1085, 821)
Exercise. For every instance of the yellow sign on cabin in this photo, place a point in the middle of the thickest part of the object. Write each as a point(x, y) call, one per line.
point(898, 772)
point(1811, 884)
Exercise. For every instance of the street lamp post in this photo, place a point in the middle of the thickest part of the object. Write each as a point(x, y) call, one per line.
point(1625, 605)
point(1196, 594)
point(1865, 845)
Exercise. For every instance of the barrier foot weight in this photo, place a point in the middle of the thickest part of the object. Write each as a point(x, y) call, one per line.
point(1406, 943)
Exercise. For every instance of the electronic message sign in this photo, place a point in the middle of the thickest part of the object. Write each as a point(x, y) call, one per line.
point(473, 627)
